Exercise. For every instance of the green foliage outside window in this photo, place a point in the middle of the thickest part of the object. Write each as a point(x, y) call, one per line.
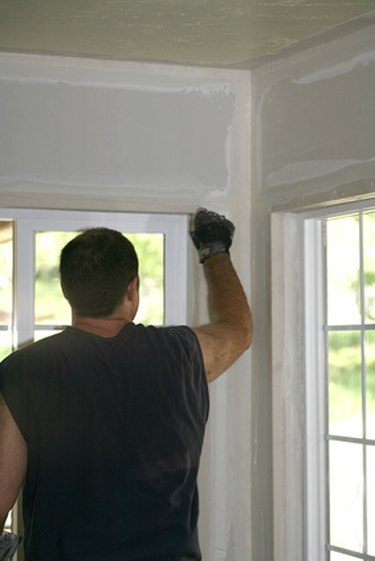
point(346, 363)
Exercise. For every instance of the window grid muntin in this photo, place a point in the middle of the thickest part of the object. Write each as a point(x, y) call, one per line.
point(363, 328)
point(350, 554)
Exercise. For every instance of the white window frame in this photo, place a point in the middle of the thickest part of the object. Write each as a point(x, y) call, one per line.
point(28, 221)
point(299, 402)
point(288, 386)
point(315, 394)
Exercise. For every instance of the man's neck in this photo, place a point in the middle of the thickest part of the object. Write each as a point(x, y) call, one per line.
point(104, 327)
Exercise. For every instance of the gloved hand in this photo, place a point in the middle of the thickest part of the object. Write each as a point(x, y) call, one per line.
point(211, 233)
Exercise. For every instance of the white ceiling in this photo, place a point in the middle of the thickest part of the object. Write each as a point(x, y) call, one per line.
point(217, 33)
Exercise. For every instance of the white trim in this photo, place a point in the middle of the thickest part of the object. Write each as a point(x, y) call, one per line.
point(288, 406)
point(175, 272)
point(315, 393)
point(23, 284)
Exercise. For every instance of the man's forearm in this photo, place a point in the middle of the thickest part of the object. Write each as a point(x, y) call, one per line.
point(227, 302)
point(229, 331)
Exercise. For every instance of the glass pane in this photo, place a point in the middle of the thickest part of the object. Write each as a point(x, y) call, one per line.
point(51, 308)
point(343, 271)
point(334, 556)
point(345, 385)
point(6, 287)
point(150, 251)
point(42, 333)
point(8, 522)
point(369, 265)
point(5, 341)
point(371, 500)
point(370, 382)
point(346, 495)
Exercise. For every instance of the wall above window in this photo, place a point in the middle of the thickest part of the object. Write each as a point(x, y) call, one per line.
point(112, 129)
point(314, 119)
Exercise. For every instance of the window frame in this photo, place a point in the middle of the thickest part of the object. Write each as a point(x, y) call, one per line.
point(299, 404)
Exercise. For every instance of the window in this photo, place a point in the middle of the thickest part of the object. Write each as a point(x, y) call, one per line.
point(349, 337)
point(31, 303)
point(323, 285)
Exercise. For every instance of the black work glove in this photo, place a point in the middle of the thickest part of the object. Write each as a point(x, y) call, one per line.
point(211, 233)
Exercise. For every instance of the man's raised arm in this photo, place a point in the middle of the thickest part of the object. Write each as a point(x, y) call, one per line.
point(229, 331)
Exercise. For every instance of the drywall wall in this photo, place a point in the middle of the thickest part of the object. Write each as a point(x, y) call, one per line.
point(103, 127)
point(331, 136)
point(313, 144)
point(99, 137)
point(105, 135)
point(314, 117)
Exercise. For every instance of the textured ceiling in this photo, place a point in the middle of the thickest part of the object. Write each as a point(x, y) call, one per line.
point(218, 33)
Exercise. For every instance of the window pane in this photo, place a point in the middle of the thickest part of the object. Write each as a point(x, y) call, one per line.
point(346, 495)
point(343, 271)
point(369, 265)
point(8, 522)
point(41, 333)
point(370, 383)
point(150, 250)
point(371, 499)
point(345, 386)
point(6, 287)
point(51, 308)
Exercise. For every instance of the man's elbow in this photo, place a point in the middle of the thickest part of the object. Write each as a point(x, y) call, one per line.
point(247, 330)
point(240, 331)
point(247, 339)
point(243, 337)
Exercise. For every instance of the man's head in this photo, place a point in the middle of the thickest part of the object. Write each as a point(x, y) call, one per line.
point(96, 268)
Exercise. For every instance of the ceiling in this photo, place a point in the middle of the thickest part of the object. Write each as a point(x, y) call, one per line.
point(216, 33)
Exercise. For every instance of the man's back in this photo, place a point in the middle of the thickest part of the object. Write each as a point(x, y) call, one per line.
point(114, 428)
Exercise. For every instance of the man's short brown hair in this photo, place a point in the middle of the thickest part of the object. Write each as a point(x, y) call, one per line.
point(95, 269)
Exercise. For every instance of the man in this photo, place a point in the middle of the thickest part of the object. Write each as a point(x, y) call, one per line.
point(103, 423)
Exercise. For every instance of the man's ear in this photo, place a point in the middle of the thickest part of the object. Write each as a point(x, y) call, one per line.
point(133, 287)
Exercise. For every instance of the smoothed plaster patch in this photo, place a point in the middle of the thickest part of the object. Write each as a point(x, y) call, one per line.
point(116, 136)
